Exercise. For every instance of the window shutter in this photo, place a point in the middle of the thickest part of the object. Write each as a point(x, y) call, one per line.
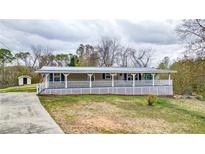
point(103, 75)
point(62, 77)
point(140, 77)
point(125, 76)
point(51, 77)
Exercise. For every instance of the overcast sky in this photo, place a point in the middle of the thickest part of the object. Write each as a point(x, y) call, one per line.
point(66, 35)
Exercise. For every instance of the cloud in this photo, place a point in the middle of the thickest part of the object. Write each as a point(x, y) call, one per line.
point(48, 29)
point(149, 32)
point(66, 35)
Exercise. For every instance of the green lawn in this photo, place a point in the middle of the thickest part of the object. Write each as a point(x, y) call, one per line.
point(125, 114)
point(26, 88)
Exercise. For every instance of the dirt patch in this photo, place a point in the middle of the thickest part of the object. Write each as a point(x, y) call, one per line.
point(100, 124)
point(95, 117)
point(87, 117)
point(146, 125)
point(94, 125)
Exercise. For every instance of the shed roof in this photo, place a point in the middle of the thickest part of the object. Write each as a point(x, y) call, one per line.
point(47, 69)
point(24, 76)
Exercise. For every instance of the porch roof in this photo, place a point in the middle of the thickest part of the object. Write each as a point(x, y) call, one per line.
point(48, 69)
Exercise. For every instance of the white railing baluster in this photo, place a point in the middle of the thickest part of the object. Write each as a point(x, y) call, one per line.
point(107, 83)
point(142, 87)
point(157, 90)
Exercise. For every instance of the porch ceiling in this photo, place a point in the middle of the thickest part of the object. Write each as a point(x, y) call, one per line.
point(47, 69)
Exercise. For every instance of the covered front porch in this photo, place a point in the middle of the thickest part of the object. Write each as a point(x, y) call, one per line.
point(105, 83)
point(83, 80)
point(104, 80)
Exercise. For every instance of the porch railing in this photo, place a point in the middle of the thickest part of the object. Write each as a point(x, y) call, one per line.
point(108, 83)
point(145, 90)
point(150, 82)
point(56, 84)
point(40, 87)
point(102, 83)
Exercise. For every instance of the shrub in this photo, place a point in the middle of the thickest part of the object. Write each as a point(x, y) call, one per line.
point(203, 96)
point(151, 100)
point(199, 97)
point(189, 97)
point(187, 91)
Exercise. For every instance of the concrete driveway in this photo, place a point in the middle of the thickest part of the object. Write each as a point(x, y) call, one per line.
point(22, 113)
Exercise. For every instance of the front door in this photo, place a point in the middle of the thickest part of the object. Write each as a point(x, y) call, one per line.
point(24, 80)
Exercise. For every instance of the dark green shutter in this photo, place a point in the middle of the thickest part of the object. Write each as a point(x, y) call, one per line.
point(103, 75)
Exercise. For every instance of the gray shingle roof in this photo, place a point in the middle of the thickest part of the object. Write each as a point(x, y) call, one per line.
point(47, 69)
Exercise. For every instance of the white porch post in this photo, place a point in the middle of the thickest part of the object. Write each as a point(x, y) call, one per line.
point(133, 79)
point(66, 80)
point(90, 77)
point(169, 79)
point(113, 76)
point(46, 81)
point(53, 77)
point(153, 79)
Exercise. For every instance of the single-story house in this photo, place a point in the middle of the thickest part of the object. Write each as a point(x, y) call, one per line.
point(104, 80)
point(24, 79)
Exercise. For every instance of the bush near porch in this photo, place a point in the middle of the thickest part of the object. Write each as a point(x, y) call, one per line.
point(125, 114)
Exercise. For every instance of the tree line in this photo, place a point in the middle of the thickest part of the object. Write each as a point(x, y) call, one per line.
point(107, 53)
point(190, 76)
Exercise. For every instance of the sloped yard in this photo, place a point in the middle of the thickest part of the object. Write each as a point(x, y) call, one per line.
point(25, 88)
point(125, 114)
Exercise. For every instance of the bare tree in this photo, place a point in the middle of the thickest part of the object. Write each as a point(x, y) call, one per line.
point(108, 49)
point(47, 59)
point(111, 52)
point(41, 56)
point(36, 54)
point(123, 57)
point(193, 33)
point(88, 56)
point(140, 57)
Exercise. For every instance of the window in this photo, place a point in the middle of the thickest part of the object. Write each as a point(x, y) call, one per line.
point(93, 77)
point(129, 77)
point(137, 76)
point(57, 77)
point(147, 76)
point(106, 76)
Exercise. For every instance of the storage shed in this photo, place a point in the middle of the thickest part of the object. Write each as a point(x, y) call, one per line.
point(24, 79)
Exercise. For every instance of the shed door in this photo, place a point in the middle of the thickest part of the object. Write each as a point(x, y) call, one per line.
point(24, 80)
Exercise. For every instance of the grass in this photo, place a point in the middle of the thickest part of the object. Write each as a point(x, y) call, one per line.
point(125, 114)
point(25, 88)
